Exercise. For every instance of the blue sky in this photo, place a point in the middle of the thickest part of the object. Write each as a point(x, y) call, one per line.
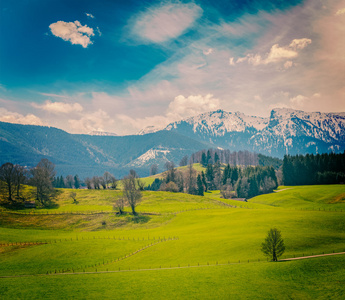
point(120, 66)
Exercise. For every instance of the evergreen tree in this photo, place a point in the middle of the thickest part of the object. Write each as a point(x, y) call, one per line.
point(200, 186)
point(216, 157)
point(203, 179)
point(208, 158)
point(76, 182)
point(203, 159)
point(209, 176)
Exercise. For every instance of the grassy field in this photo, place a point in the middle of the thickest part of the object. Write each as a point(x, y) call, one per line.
point(180, 246)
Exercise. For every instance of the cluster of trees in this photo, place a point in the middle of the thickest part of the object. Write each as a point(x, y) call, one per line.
point(212, 156)
point(70, 182)
point(97, 182)
point(187, 181)
point(13, 177)
point(314, 169)
point(248, 182)
point(107, 181)
point(233, 181)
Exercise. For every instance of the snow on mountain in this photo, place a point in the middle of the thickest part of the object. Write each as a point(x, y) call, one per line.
point(102, 133)
point(219, 122)
point(151, 155)
point(327, 127)
point(284, 131)
point(149, 129)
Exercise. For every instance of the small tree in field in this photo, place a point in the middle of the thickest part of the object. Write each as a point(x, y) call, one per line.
point(73, 195)
point(131, 192)
point(120, 205)
point(273, 246)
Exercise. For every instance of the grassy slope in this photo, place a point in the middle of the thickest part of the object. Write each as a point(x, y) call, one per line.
point(290, 280)
point(216, 234)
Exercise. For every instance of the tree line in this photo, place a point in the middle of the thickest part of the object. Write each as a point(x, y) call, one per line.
point(43, 178)
point(232, 181)
point(13, 177)
point(328, 168)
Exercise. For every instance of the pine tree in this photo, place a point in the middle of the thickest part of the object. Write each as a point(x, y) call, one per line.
point(200, 186)
point(76, 182)
point(203, 159)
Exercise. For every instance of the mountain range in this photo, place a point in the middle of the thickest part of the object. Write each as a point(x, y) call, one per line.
point(285, 131)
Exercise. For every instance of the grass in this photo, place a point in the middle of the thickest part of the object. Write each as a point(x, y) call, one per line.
point(290, 280)
point(177, 230)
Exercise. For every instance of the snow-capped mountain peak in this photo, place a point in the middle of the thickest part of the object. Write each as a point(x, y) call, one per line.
point(218, 123)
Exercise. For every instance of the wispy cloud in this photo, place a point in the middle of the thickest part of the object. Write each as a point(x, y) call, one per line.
point(73, 32)
point(59, 107)
point(167, 21)
point(182, 107)
point(179, 108)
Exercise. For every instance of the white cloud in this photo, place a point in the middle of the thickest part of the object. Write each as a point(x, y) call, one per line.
point(277, 53)
point(231, 61)
point(165, 22)
point(59, 107)
point(300, 43)
point(182, 107)
point(13, 117)
point(96, 121)
point(340, 12)
point(298, 101)
point(90, 15)
point(73, 32)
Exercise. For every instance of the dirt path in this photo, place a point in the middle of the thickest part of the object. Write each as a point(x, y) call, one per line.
point(311, 256)
point(277, 191)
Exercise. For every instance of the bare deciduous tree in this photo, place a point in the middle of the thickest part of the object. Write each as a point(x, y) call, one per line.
point(184, 161)
point(120, 205)
point(69, 181)
point(102, 182)
point(131, 192)
point(12, 178)
point(43, 176)
point(88, 182)
point(7, 181)
point(73, 195)
point(95, 182)
point(153, 169)
point(107, 178)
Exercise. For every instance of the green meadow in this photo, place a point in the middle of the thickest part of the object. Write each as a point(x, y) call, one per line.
point(179, 246)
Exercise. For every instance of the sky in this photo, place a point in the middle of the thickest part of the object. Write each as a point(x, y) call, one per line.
point(120, 66)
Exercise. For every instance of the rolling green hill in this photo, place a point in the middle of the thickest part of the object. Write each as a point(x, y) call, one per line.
point(88, 155)
point(180, 246)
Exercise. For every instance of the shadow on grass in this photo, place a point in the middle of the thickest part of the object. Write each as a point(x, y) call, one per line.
point(138, 219)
